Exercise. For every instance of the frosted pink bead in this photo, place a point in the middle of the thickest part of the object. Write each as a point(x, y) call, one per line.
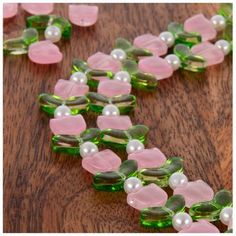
point(195, 192)
point(200, 24)
point(152, 43)
point(148, 158)
point(210, 52)
point(111, 88)
point(157, 66)
point(44, 52)
point(114, 122)
point(102, 161)
point(102, 61)
point(70, 125)
point(83, 15)
point(148, 196)
point(67, 88)
point(9, 10)
point(37, 8)
point(202, 226)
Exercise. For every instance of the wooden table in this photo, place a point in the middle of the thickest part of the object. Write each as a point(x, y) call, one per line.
point(189, 115)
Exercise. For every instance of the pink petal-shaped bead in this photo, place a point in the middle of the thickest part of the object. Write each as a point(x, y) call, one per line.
point(102, 161)
point(200, 24)
point(9, 10)
point(210, 52)
point(67, 88)
point(157, 66)
point(148, 158)
point(148, 196)
point(102, 61)
point(111, 88)
point(202, 226)
point(38, 8)
point(83, 15)
point(114, 122)
point(70, 125)
point(195, 192)
point(44, 52)
point(152, 43)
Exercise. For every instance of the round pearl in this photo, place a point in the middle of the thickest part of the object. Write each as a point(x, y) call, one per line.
point(122, 76)
point(79, 77)
point(134, 145)
point(177, 179)
point(52, 33)
point(132, 185)
point(168, 38)
point(88, 149)
point(218, 22)
point(173, 60)
point(181, 221)
point(110, 110)
point(226, 215)
point(118, 54)
point(62, 111)
point(224, 46)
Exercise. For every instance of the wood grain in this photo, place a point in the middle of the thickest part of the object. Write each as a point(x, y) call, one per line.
point(190, 115)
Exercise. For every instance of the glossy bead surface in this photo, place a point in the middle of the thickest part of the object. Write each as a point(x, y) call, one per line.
point(88, 149)
point(79, 77)
point(218, 22)
point(62, 111)
point(226, 215)
point(224, 46)
point(168, 38)
point(173, 60)
point(110, 110)
point(52, 33)
point(133, 146)
point(122, 76)
point(181, 221)
point(177, 180)
point(132, 184)
point(118, 54)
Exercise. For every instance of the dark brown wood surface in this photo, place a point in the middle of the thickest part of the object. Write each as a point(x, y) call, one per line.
point(189, 115)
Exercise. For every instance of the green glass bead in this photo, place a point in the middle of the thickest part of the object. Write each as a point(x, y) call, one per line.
point(143, 81)
point(18, 46)
point(128, 168)
point(109, 181)
point(130, 66)
point(175, 28)
point(160, 176)
point(223, 198)
point(226, 11)
point(188, 39)
point(229, 231)
point(39, 22)
point(48, 103)
point(123, 44)
point(182, 51)
point(63, 24)
point(176, 203)
point(125, 103)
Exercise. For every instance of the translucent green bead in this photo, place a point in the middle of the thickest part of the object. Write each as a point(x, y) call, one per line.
point(63, 24)
point(175, 28)
point(48, 103)
point(176, 203)
point(160, 175)
point(223, 198)
point(18, 46)
point(128, 168)
point(229, 231)
point(39, 22)
point(226, 11)
point(70, 144)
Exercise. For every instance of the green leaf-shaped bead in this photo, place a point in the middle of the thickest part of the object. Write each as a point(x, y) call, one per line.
point(143, 81)
point(188, 39)
point(130, 66)
point(223, 198)
point(226, 11)
point(123, 44)
point(176, 203)
point(135, 53)
point(175, 28)
point(128, 168)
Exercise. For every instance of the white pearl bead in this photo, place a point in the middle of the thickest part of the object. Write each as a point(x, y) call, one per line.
point(226, 215)
point(177, 179)
point(52, 33)
point(168, 38)
point(132, 185)
point(173, 60)
point(79, 77)
point(110, 110)
point(218, 22)
point(88, 149)
point(122, 76)
point(181, 220)
point(134, 145)
point(62, 111)
point(224, 46)
point(118, 54)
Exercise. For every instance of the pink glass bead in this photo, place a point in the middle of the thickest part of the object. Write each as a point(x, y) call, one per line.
point(200, 24)
point(111, 88)
point(38, 8)
point(102, 161)
point(202, 226)
point(67, 88)
point(148, 158)
point(114, 122)
point(70, 125)
point(148, 196)
point(102, 61)
point(83, 15)
point(151, 42)
point(195, 192)
point(210, 52)
point(9, 10)
point(44, 52)
point(157, 66)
